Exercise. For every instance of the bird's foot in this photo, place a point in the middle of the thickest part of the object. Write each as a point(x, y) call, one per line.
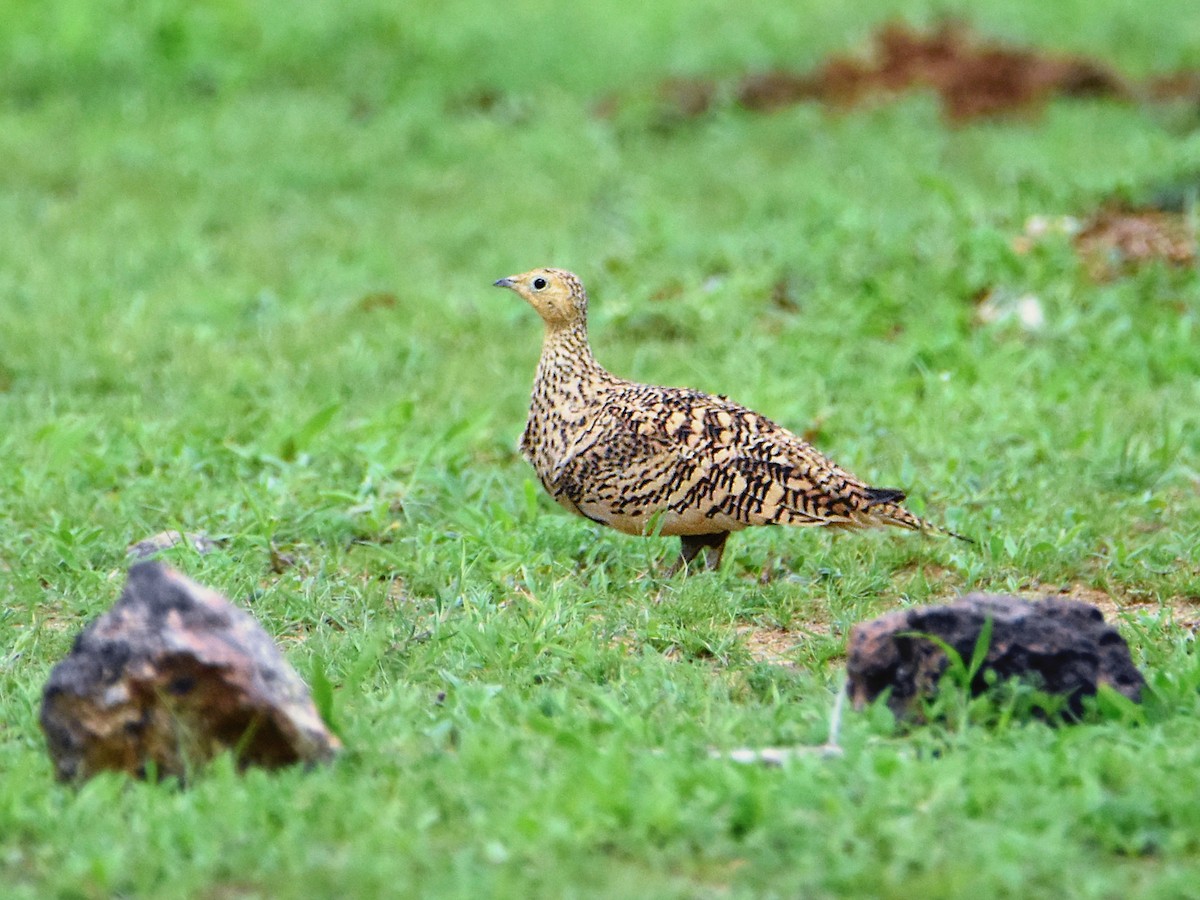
point(690, 546)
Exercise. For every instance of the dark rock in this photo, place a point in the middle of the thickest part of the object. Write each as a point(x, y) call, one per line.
point(169, 677)
point(1063, 646)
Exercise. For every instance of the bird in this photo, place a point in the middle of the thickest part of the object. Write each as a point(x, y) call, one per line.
point(645, 459)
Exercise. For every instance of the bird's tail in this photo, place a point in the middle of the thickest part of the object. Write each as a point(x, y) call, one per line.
point(883, 506)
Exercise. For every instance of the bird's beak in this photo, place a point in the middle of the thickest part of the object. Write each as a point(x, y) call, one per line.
point(505, 282)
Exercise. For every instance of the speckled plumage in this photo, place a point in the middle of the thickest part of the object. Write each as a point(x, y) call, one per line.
point(674, 461)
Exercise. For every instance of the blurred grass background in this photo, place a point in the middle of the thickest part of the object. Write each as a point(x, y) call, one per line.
point(245, 290)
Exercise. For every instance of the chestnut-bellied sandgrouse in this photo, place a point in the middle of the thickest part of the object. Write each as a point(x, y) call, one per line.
point(659, 460)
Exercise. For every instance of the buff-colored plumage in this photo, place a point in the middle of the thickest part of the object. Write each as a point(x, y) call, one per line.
point(646, 459)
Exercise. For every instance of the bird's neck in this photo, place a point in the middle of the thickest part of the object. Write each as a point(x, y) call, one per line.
point(568, 386)
point(567, 363)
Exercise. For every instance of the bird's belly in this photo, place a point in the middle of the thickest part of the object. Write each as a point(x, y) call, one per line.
point(667, 522)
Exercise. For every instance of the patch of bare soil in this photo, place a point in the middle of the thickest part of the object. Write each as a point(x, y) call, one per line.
point(1186, 610)
point(1182, 85)
point(689, 97)
point(769, 645)
point(974, 78)
point(1117, 239)
point(774, 646)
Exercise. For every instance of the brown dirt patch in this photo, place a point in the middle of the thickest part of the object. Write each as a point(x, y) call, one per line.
point(974, 78)
point(687, 97)
point(1116, 240)
point(769, 645)
point(774, 646)
point(1186, 610)
point(1182, 85)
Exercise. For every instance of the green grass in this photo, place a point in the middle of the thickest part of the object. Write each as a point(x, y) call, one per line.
point(245, 290)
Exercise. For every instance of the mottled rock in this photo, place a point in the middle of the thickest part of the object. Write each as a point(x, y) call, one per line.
point(170, 676)
point(1063, 646)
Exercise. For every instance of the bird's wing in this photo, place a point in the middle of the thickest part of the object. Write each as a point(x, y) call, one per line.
point(696, 453)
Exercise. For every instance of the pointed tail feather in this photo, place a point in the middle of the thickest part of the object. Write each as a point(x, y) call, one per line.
point(884, 504)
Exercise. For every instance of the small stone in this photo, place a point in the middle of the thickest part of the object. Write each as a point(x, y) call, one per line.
point(1064, 646)
point(1000, 306)
point(171, 676)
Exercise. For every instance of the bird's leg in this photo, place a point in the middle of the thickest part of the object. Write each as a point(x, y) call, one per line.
point(689, 546)
point(714, 550)
point(713, 546)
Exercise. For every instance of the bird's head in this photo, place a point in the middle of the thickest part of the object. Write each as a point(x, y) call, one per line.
point(556, 294)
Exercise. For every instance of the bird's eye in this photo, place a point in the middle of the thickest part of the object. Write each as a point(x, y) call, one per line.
point(539, 283)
